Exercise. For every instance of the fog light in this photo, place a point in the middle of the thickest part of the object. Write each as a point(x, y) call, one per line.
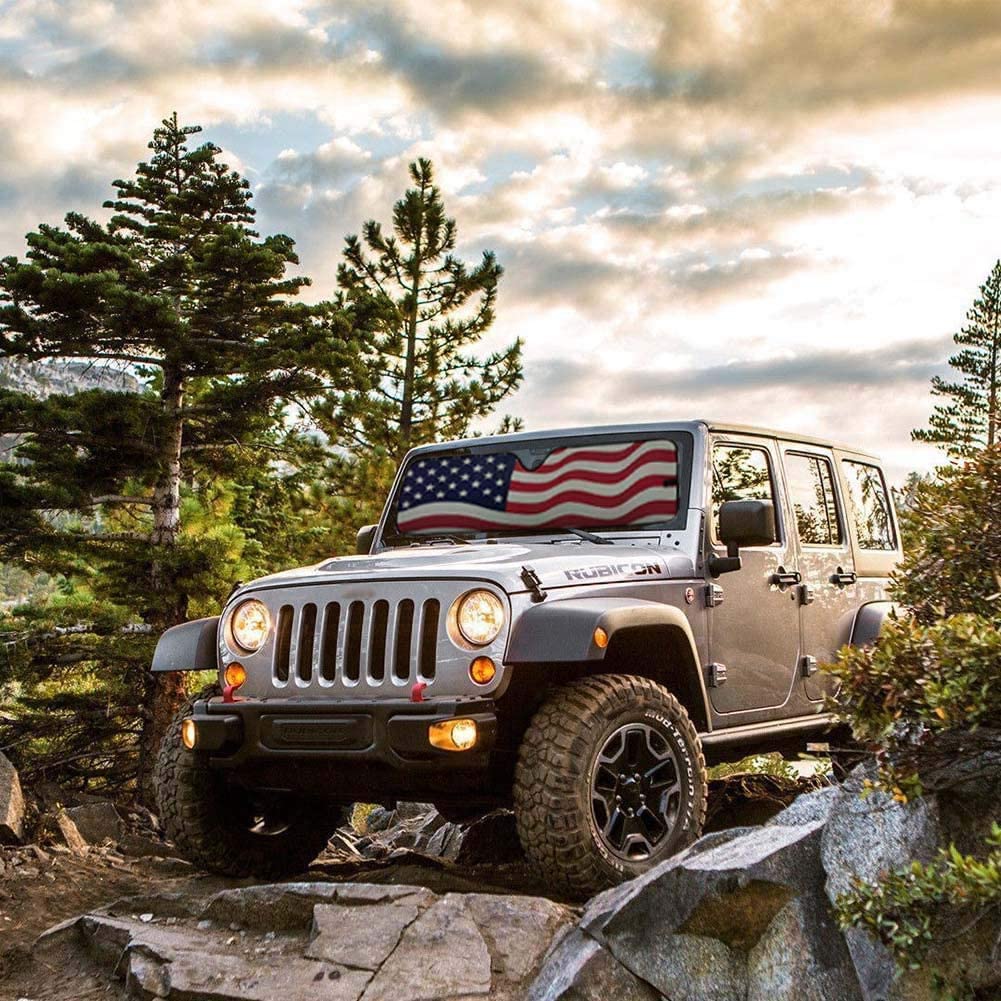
point(482, 670)
point(600, 638)
point(453, 734)
point(189, 734)
point(235, 675)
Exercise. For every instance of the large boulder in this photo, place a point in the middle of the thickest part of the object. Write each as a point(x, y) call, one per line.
point(97, 822)
point(740, 914)
point(315, 941)
point(11, 804)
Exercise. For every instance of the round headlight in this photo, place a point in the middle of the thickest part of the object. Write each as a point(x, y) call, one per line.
point(480, 617)
point(250, 625)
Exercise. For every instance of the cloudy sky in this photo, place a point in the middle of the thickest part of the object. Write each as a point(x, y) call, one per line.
point(773, 211)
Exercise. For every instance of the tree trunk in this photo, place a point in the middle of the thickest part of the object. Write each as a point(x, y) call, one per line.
point(164, 693)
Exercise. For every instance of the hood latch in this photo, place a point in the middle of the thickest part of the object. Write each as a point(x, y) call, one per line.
point(534, 583)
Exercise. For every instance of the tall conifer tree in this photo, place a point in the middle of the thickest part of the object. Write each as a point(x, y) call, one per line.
point(969, 419)
point(422, 312)
point(179, 288)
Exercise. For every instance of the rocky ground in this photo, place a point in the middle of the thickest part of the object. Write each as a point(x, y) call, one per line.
point(412, 908)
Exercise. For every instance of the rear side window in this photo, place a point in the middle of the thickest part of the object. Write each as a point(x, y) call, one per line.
point(870, 505)
point(811, 491)
point(740, 472)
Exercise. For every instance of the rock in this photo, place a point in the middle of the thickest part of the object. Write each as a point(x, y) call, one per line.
point(492, 839)
point(361, 936)
point(11, 804)
point(808, 808)
point(518, 930)
point(97, 822)
point(408, 811)
point(712, 923)
point(379, 819)
point(579, 969)
point(863, 839)
point(442, 954)
point(445, 842)
point(71, 836)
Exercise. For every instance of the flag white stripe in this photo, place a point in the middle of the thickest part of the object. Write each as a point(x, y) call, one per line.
point(664, 470)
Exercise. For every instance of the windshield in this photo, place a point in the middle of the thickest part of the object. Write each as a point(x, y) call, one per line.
point(541, 486)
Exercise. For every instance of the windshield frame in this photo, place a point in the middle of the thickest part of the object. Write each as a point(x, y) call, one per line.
point(390, 536)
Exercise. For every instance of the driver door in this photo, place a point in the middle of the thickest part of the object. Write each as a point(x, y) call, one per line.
point(754, 632)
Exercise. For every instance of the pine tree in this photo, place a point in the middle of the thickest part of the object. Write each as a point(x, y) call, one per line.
point(971, 419)
point(178, 288)
point(421, 311)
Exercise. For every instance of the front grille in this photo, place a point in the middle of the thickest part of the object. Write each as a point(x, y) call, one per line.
point(359, 642)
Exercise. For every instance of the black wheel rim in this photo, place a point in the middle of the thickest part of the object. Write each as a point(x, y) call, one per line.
point(635, 791)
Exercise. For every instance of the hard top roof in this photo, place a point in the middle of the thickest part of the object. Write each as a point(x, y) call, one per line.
point(691, 426)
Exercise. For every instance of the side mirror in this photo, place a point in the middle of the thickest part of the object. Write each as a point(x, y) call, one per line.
point(742, 523)
point(365, 538)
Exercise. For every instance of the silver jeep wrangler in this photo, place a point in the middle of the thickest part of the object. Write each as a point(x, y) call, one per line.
point(569, 622)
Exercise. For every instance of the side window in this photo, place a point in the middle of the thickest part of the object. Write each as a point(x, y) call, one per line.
point(811, 492)
point(740, 472)
point(870, 505)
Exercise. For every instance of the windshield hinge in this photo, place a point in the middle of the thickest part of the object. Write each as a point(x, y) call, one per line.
point(534, 583)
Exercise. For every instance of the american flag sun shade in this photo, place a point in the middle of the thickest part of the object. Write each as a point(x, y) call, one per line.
point(624, 483)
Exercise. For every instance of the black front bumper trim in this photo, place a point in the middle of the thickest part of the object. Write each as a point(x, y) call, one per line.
point(391, 731)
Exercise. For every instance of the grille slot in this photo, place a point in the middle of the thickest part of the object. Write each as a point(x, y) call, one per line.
point(377, 645)
point(283, 644)
point(352, 646)
point(307, 636)
point(429, 638)
point(328, 649)
point(404, 639)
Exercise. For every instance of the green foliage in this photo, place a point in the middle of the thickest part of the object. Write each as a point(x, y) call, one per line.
point(970, 418)
point(151, 504)
point(912, 909)
point(955, 562)
point(940, 676)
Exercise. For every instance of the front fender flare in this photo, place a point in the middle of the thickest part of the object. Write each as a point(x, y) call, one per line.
point(190, 646)
point(563, 631)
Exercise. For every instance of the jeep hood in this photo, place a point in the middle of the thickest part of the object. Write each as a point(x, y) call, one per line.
point(557, 565)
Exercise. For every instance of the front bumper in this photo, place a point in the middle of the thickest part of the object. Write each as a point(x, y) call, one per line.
point(391, 732)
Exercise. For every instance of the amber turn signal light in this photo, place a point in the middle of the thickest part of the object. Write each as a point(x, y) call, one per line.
point(600, 638)
point(235, 675)
point(453, 734)
point(189, 734)
point(482, 670)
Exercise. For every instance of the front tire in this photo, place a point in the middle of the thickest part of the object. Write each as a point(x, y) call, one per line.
point(229, 830)
point(610, 781)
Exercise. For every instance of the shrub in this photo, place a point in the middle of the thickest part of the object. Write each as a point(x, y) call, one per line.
point(955, 564)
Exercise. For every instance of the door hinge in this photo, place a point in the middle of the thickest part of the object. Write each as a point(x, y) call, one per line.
point(717, 675)
point(714, 595)
point(809, 666)
point(534, 583)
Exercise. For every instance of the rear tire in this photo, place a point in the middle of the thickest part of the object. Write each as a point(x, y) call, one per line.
point(610, 781)
point(227, 829)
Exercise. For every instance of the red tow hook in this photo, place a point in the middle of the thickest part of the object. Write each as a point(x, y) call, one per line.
point(417, 692)
point(227, 693)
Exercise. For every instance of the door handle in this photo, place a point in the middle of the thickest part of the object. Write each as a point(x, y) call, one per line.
point(843, 579)
point(785, 578)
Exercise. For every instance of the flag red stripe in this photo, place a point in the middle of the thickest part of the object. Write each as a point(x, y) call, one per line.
point(521, 481)
point(584, 497)
point(577, 454)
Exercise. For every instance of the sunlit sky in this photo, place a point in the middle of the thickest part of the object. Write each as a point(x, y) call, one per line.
point(771, 211)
